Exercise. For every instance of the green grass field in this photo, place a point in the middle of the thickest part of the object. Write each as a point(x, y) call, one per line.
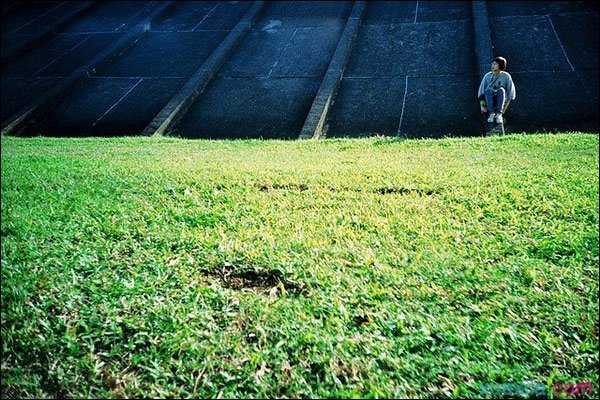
point(337, 268)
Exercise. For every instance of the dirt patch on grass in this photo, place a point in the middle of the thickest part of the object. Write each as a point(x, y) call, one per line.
point(238, 278)
point(404, 191)
point(296, 187)
point(301, 187)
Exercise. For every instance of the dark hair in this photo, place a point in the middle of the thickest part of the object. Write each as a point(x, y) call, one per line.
point(501, 62)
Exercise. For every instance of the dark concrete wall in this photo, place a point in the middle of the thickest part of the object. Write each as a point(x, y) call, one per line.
point(127, 91)
point(412, 71)
point(552, 48)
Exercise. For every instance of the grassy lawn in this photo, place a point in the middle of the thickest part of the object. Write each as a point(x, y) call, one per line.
point(369, 267)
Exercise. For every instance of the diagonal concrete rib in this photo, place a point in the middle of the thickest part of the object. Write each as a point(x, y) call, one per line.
point(319, 111)
point(19, 122)
point(46, 33)
point(181, 102)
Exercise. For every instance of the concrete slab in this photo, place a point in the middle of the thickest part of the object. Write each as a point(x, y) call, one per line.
point(551, 101)
point(247, 107)
point(257, 54)
point(307, 13)
point(89, 100)
point(528, 43)
point(9, 43)
point(423, 48)
point(79, 55)
point(184, 16)
point(389, 12)
point(109, 16)
point(438, 106)
point(430, 11)
point(578, 34)
point(512, 8)
point(291, 39)
point(35, 60)
point(225, 16)
point(308, 52)
point(137, 109)
point(366, 107)
point(49, 18)
point(164, 54)
point(19, 18)
point(16, 93)
point(301, 52)
point(589, 79)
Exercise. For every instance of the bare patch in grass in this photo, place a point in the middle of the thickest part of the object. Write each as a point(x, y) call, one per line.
point(297, 187)
point(234, 277)
point(405, 191)
point(301, 187)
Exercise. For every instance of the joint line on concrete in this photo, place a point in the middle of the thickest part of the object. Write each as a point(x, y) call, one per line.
point(61, 55)
point(566, 13)
point(206, 16)
point(135, 77)
point(118, 101)
point(403, 104)
point(416, 11)
point(281, 53)
point(189, 30)
point(151, 16)
point(559, 42)
point(86, 33)
point(38, 17)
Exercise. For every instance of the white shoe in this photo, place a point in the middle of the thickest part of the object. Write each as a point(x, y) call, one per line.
point(499, 118)
point(491, 117)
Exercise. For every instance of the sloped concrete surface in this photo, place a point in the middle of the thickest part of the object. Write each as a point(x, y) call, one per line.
point(164, 54)
point(552, 50)
point(267, 86)
point(71, 47)
point(409, 78)
point(243, 108)
point(132, 87)
point(18, 92)
point(412, 69)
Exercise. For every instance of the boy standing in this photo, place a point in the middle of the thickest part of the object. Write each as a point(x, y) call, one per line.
point(496, 90)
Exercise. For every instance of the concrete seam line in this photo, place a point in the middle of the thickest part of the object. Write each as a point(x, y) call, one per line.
point(47, 32)
point(319, 110)
point(116, 103)
point(19, 121)
point(38, 17)
point(206, 16)
point(398, 132)
point(416, 12)
point(559, 42)
point(183, 99)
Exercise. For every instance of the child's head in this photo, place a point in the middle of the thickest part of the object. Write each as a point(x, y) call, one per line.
point(501, 63)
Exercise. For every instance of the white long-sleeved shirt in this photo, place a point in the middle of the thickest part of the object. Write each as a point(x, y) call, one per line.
point(503, 79)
